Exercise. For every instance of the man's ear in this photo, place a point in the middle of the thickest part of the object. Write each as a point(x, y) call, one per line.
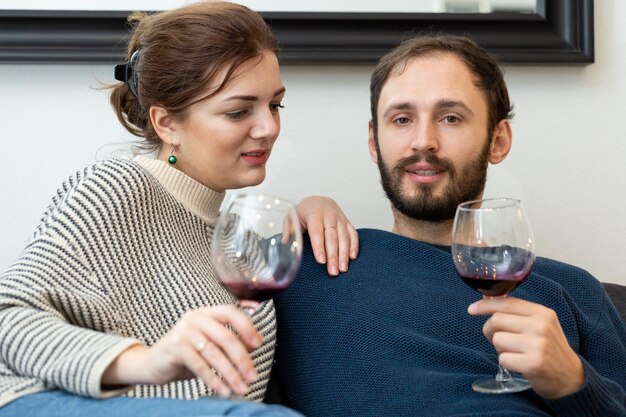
point(501, 142)
point(163, 124)
point(371, 143)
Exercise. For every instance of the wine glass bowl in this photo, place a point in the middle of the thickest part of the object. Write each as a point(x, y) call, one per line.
point(493, 252)
point(256, 246)
point(493, 271)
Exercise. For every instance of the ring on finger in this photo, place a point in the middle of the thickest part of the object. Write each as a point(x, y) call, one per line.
point(330, 227)
point(200, 346)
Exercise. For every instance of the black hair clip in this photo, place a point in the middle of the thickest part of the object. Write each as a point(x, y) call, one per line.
point(126, 73)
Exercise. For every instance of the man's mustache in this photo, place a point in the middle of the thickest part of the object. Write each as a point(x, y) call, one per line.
point(429, 158)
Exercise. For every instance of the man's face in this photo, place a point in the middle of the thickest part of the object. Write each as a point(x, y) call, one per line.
point(433, 141)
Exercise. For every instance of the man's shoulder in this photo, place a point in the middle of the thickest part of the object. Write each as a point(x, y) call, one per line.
point(400, 244)
point(551, 278)
point(563, 273)
point(383, 256)
point(383, 247)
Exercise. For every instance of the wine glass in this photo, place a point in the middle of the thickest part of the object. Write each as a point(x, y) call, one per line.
point(493, 252)
point(257, 245)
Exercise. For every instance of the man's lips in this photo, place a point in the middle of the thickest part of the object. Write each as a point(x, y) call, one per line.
point(425, 173)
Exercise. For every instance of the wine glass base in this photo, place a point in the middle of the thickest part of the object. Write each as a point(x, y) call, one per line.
point(493, 386)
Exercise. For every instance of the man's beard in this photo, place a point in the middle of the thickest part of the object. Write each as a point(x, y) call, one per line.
point(423, 205)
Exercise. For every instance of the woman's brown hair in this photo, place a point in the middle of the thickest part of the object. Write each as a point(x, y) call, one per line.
point(180, 53)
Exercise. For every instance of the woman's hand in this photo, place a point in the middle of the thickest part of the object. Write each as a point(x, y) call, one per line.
point(333, 238)
point(199, 345)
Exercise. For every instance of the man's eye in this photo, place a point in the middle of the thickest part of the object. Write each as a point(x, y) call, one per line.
point(451, 119)
point(402, 120)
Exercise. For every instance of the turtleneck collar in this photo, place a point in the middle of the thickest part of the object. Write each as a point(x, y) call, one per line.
point(195, 197)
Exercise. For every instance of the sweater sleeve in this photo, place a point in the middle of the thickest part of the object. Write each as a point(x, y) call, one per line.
point(44, 330)
point(598, 397)
point(603, 355)
point(57, 322)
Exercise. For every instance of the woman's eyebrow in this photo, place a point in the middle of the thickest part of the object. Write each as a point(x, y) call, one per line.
point(253, 98)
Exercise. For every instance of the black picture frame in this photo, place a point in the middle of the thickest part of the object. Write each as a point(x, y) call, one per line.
point(561, 32)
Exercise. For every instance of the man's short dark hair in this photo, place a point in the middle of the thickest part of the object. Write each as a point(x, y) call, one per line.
point(486, 71)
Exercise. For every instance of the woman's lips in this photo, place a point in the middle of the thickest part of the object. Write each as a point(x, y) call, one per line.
point(256, 157)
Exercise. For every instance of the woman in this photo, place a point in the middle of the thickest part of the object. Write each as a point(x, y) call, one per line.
point(115, 293)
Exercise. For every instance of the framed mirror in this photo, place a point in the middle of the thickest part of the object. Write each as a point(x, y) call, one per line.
point(550, 31)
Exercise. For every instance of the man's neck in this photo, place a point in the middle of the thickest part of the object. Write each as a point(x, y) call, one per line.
point(438, 233)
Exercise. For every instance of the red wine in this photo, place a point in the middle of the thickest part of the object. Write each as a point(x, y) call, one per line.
point(492, 287)
point(249, 291)
point(493, 271)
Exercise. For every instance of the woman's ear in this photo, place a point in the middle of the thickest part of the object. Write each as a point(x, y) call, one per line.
point(501, 142)
point(163, 124)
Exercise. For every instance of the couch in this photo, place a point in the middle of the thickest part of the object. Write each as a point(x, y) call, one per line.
point(618, 296)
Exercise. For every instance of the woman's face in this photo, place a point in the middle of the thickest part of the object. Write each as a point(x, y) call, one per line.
point(225, 140)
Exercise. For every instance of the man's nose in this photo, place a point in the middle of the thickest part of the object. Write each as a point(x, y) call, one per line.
point(425, 137)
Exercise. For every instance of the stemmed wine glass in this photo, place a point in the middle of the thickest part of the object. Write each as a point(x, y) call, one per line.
point(493, 252)
point(257, 245)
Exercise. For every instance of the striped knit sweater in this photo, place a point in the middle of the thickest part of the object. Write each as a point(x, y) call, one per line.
point(121, 253)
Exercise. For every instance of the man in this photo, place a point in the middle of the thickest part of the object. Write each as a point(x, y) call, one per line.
point(395, 335)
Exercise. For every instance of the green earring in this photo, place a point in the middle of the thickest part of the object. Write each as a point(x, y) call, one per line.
point(172, 159)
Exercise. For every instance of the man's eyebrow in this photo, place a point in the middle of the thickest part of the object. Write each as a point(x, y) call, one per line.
point(254, 98)
point(444, 104)
point(405, 105)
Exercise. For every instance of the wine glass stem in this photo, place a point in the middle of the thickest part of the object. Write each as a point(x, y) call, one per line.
point(503, 375)
point(246, 308)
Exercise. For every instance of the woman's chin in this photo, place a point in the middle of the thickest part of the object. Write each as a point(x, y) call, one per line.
point(252, 180)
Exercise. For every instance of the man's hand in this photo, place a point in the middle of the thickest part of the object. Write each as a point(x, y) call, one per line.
point(529, 339)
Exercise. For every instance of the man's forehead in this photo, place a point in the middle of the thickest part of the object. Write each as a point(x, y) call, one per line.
point(434, 76)
point(431, 64)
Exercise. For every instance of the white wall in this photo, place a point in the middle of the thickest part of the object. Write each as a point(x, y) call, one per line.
point(567, 163)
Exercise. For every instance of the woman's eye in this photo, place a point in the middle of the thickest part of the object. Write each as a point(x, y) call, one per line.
point(236, 115)
point(276, 107)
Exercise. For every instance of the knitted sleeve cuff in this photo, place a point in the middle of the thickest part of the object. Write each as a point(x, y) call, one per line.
point(598, 397)
point(94, 388)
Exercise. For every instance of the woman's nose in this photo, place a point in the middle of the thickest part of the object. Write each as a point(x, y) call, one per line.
point(267, 126)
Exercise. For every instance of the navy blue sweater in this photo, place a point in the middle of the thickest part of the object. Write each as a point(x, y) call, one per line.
point(392, 337)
